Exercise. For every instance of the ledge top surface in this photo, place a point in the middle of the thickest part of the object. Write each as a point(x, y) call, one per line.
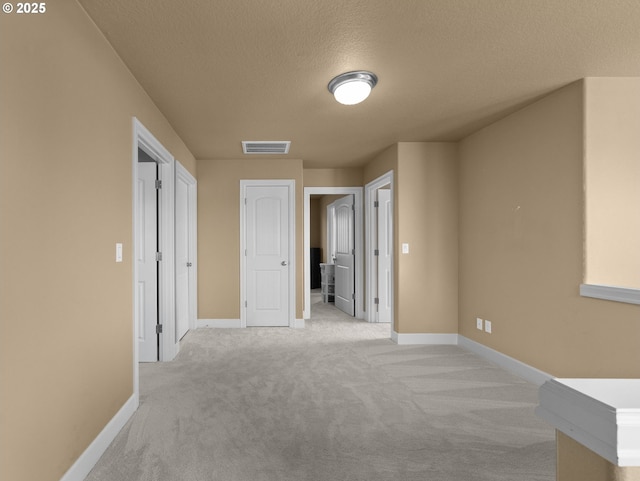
point(619, 394)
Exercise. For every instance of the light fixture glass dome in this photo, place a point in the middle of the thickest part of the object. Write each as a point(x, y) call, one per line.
point(352, 87)
point(353, 92)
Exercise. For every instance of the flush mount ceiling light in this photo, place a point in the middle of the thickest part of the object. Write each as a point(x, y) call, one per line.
point(351, 88)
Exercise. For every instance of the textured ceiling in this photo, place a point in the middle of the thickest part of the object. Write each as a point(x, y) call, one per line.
point(223, 71)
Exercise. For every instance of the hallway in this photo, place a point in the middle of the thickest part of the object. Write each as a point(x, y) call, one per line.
point(337, 400)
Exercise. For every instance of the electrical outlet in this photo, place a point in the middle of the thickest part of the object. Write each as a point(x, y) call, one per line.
point(479, 323)
point(487, 326)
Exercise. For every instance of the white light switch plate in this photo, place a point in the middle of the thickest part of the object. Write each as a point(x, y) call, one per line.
point(487, 326)
point(118, 252)
point(405, 248)
point(479, 323)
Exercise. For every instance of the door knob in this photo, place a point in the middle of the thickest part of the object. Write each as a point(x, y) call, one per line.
point(283, 263)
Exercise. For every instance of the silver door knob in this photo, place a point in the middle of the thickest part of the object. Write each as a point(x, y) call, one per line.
point(283, 263)
point(189, 264)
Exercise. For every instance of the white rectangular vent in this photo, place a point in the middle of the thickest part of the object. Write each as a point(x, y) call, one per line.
point(265, 147)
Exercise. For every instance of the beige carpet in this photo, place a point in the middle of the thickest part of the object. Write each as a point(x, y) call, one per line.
point(337, 400)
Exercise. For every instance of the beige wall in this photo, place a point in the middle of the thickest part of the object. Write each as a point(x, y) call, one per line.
point(612, 181)
point(66, 344)
point(386, 161)
point(351, 177)
point(426, 292)
point(521, 246)
point(219, 230)
point(425, 217)
point(578, 463)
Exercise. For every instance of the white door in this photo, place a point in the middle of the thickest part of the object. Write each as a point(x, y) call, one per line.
point(267, 255)
point(183, 257)
point(147, 237)
point(344, 254)
point(331, 234)
point(385, 276)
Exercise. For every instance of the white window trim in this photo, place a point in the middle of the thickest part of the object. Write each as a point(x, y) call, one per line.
point(611, 293)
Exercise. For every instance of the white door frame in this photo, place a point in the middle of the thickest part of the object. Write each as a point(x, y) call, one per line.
point(359, 257)
point(370, 196)
point(291, 185)
point(192, 186)
point(144, 139)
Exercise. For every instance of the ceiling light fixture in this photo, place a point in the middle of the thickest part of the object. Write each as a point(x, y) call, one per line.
point(351, 88)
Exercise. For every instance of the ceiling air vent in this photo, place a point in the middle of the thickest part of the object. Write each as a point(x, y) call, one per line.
point(265, 147)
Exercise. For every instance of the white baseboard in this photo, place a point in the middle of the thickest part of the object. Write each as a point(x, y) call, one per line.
point(421, 338)
point(88, 459)
point(519, 368)
point(219, 323)
point(235, 323)
point(507, 363)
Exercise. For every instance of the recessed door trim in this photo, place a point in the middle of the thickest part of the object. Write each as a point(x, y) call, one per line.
point(290, 184)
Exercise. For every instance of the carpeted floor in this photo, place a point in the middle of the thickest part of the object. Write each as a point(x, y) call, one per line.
point(337, 400)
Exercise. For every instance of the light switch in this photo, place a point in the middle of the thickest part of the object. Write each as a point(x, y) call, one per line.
point(405, 248)
point(118, 252)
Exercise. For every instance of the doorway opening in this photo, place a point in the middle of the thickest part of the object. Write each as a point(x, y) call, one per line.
point(147, 260)
point(379, 249)
point(332, 239)
point(355, 193)
point(166, 343)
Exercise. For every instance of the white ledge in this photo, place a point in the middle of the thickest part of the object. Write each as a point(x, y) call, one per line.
point(601, 414)
point(611, 293)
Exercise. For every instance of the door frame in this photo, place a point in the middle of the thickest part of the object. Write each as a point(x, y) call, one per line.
point(290, 184)
point(192, 186)
point(144, 139)
point(359, 257)
point(371, 228)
